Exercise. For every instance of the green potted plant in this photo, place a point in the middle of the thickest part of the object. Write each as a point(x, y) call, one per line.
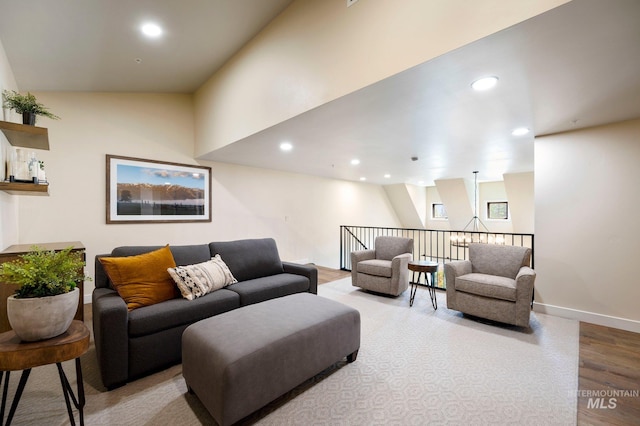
point(47, 297)
point(27, 105)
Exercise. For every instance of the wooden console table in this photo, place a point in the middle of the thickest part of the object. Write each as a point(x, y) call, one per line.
point(16, 355)
point(11, 253)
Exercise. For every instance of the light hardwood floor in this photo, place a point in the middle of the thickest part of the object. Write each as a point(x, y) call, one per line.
point(609, 360)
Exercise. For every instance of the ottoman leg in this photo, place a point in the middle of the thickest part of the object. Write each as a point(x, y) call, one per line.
point(352, 357)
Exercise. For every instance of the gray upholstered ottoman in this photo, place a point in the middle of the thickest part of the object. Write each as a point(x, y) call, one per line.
point(241, 360)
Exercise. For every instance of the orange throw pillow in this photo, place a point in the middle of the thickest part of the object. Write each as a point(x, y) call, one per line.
point(142, 280)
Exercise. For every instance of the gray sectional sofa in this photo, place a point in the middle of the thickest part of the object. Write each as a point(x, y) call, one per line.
point(131, 344)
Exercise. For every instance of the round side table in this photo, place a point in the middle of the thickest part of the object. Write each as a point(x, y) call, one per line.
point(18, 355)
point(424, 267)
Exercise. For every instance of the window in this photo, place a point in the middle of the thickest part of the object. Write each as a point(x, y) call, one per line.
point(498, 210)
point(438, 211)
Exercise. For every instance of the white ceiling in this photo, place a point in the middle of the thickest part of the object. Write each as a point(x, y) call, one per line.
point(92, 45)
point(575, 66)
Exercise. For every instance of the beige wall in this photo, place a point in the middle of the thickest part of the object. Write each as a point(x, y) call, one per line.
point(587, 203)
point(318, 50)
point(8, 203)
point(519, 189)
point(303, 213)
point(409, 203)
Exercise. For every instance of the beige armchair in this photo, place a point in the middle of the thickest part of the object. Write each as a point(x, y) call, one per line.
point(384, 269)
point(495, 283)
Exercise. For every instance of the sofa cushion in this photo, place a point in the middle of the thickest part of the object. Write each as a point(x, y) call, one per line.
point(377, 267)
point(265, 288)
point(494, 259)
point(183, 255)
point(142, 280)
point(202, 278)
point(176, 312)
point(249, 259)
point(492, 286)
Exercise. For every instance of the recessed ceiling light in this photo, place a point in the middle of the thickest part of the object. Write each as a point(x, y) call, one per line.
point(363, 178)
point(151, 30)
point(355, 162)
point(286, 146)
point(484, 83)
point(520, 131)
point(387, 176)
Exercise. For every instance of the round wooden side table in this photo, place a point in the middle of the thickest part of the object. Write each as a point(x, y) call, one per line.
point(18, 355)
point(424, 267)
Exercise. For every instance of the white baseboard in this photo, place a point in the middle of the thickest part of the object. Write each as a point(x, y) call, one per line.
point(584, 316)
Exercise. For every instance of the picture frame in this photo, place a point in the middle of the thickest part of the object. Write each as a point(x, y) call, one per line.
point(150, 191)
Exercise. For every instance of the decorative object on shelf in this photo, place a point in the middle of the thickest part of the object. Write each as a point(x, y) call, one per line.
point(23, 166)
point(148, 191)
point(466, 236)
point(27, 105)
point(42, 177)
point(47, 297)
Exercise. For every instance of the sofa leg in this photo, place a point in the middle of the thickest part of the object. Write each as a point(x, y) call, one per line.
point(352, 356)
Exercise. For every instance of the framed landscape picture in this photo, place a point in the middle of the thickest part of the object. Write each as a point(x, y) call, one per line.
point(148, 191)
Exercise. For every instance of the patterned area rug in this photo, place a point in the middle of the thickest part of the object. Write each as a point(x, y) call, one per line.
point(415, 366)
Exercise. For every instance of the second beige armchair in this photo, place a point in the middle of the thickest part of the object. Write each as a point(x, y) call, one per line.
point(385, 268)
point(495, 283)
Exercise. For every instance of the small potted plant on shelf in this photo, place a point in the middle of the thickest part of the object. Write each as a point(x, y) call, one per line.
point(27, 105)
point(47, 297)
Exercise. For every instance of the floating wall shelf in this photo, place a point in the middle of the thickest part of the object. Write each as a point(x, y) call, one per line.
point(23, 136)
point(15, 188)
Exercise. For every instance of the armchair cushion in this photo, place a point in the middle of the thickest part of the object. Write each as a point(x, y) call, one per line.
point(491, 286)
point(495, 260)
point(387, 248)
point(377, 267)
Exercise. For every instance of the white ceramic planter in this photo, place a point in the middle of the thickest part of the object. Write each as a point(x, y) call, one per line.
point(41, 318)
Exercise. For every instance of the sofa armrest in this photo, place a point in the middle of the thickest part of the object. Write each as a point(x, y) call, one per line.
point(400, 273)
point(401, 262)
point(453, 269)
point(311, 272)
point(110, 331)
point(359, 256)
point(524, 284)
point(101, 280)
